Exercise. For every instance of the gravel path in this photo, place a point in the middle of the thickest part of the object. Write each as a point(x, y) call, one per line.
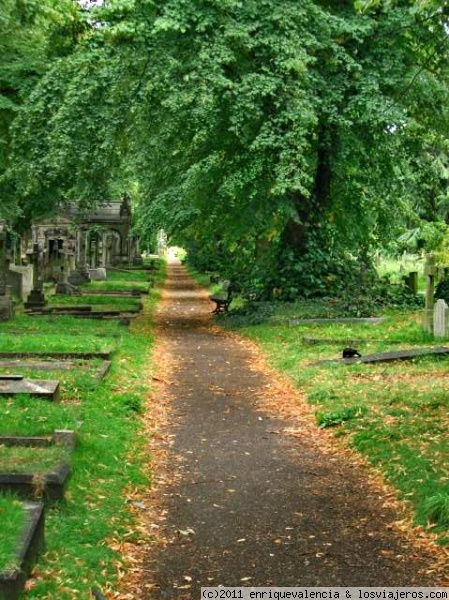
point(240, 501)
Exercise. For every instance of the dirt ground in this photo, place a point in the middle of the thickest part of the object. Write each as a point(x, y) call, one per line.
point(247, 490)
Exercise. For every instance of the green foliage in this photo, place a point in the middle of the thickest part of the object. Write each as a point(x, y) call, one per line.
point(32, 35)
point(275, 141)
point(442, 290)
point(434, 511)
point(331, 419)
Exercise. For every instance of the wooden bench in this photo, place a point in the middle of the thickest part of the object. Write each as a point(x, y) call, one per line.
point(223, 301)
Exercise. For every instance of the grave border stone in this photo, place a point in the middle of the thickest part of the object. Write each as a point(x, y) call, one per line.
point(30, 544)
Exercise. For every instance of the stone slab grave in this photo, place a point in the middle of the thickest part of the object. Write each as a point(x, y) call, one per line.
point(50, 365)
point(370, 320)
point(386, 356)
point(51, 486)
point(60, 437)
point(11, 385)
point(117, 294)
point(85, 314)
point(105, 355)
point(30, 543)
point(311, 341)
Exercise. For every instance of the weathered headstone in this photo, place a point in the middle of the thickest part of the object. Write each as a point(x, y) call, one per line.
point(36, 298)
point(440, 322)
point(430, 291)
point(63, 287)
point(411, 281)
point(6, 305)
point(98, 274)
point(80, 275)
point(26, 274)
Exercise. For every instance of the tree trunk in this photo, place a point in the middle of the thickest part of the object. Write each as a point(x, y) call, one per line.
point(310, 210)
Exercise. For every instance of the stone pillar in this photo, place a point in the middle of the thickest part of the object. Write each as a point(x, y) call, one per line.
point(80, 275)
point(6, 304)
point(430, 291)
point(36, 298)
point(104, 250)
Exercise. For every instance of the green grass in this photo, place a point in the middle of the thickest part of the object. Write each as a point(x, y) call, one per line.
point(107, 462)
point(98, 303)
point(12, 518)
point(395, 414)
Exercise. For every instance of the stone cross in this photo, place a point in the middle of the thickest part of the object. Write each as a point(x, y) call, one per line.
point(35, 259)
point(36, 298)
point(440, 319)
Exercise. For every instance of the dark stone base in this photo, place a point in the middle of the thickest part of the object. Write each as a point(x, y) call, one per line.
point(36, 299)
point(79, 276)
point(51, 487)
point(6, 308)
point(66, 289)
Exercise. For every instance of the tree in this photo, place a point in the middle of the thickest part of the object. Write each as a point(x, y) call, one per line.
point(276, 139)
point(32, 35)
point(291, 125)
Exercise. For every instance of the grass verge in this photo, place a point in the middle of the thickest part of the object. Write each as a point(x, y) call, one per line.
point(395, 414)
point(84, 533)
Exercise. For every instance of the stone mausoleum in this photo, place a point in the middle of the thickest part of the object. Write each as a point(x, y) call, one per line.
point(99, 238)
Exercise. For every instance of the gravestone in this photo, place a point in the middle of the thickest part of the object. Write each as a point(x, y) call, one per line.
point(440, 323)
point(63, 287)
point(98, 274)
point(430, 271)
point(6, 305)
point(411, 281)
point(26, 274)
point(36, 298)
point(40, 388)
point(80, 275)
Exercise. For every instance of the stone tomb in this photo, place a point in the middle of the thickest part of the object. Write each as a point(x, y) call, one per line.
point(11, 385)
point(106, 355)
point(51, 485)
point(51, 365)
point(387, 356)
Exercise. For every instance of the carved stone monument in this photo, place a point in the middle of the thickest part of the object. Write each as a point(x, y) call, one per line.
point(36, 298)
